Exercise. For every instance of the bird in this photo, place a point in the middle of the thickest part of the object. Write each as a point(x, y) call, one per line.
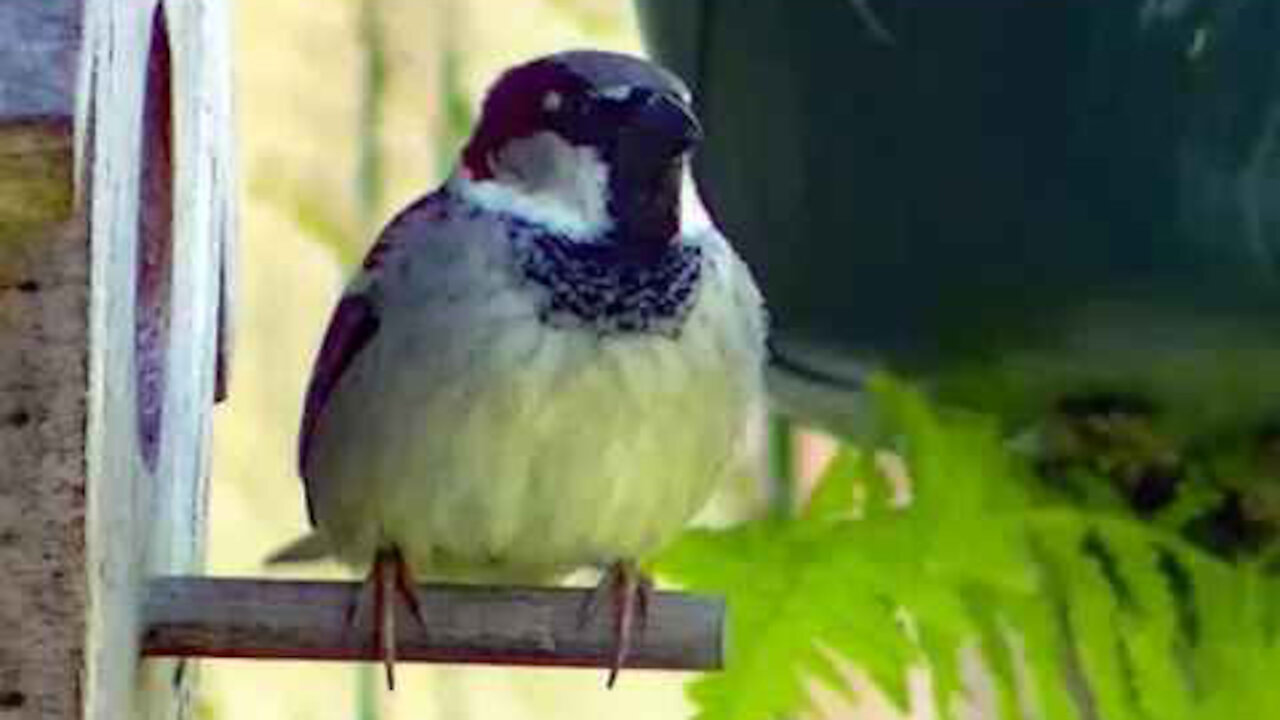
point(544, 365)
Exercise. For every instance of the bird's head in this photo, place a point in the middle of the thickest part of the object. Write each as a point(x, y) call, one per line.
point(591, 143)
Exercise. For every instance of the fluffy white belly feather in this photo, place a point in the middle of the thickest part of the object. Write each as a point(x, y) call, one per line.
point(486, 444)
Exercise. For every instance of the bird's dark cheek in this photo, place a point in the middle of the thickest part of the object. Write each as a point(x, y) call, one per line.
point(647, 199)
point(666, 184)
point(649, 152)
point(647, 160)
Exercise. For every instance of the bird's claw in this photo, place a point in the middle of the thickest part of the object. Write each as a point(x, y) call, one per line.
point(630, 592)
point(409, 593)
point(388, 578)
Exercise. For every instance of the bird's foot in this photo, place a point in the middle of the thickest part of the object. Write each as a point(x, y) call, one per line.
point(629, 591)
point(388, 577)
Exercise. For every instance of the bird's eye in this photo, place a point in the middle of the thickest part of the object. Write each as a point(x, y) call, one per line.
point(552, 102)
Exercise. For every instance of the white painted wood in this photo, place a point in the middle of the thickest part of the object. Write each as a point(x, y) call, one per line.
point(141, 523)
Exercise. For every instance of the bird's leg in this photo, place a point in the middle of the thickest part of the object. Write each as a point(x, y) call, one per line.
point(388, 578)
point(630, 591)
point(384, 615)
point(409, 591)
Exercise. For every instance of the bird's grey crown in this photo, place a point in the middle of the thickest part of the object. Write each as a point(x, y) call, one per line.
point(606, 70)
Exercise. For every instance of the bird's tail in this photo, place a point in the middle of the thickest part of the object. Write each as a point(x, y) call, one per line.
point(308, 548)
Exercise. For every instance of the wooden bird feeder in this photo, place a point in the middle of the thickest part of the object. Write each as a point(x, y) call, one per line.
point(117, 223)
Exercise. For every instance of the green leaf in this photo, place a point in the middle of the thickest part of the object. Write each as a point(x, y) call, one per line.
point(1079, 609)
point(792, 605)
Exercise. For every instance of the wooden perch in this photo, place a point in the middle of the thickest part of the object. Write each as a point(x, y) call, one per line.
point(243, 618)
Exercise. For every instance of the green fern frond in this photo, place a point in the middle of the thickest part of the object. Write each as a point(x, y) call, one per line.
point(1080, 611)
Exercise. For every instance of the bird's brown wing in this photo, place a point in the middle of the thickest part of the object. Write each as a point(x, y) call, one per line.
point(355, 321)
point(353, 325)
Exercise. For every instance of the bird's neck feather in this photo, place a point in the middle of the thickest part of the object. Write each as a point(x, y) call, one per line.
point(576, 194)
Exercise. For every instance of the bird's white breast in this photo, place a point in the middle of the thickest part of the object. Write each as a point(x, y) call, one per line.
point(485, 443)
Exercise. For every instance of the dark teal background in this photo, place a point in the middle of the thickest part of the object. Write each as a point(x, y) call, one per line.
point(1001, 176)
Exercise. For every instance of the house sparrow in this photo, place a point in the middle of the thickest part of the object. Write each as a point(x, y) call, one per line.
point(542, 365)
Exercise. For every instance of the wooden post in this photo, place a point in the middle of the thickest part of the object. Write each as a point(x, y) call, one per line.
point(43, 296)
point(109, 320)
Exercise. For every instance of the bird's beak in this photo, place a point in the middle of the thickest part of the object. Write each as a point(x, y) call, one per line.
point(664, 127)
point(649, 163)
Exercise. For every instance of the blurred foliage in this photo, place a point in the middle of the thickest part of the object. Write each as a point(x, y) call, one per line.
point(781, 450)
point(594, 17)
point(937, 537)
point(373, 90)
point(459, 116)
point(312, 212)
point(310, 207)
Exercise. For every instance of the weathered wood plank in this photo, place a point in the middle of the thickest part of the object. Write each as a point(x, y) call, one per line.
point(44, 263)
point(243, 618)
point(35, 175)
point(43, 309)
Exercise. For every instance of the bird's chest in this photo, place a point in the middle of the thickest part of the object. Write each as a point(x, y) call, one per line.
point(526, 436)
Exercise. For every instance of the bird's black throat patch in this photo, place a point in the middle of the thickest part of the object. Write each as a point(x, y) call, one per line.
point(604, 288)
